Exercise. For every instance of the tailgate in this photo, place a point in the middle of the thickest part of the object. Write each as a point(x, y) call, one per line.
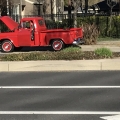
point(76, 33)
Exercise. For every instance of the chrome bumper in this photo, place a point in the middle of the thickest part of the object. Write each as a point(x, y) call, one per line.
point(78, 41)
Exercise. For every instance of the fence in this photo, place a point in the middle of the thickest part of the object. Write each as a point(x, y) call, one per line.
point(67, 21)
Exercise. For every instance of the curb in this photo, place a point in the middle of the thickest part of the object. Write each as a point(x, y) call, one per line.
point(61, 65)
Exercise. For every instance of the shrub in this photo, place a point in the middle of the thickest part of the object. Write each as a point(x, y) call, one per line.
point(68, 23)
point(91, 33)
point(103, 23)
point(103, 52)
point(53, 24)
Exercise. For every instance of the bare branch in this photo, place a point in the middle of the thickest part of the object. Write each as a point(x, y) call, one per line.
point(111, 3)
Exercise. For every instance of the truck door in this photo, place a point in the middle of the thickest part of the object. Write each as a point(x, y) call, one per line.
point(26, 34)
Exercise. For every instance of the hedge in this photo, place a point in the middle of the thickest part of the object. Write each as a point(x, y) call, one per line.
point(102, 22)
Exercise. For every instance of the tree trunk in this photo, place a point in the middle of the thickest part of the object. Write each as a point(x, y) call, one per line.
point(86, 6)
point(75, 13)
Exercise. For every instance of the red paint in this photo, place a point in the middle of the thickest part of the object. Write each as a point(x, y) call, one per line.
point(32, 32)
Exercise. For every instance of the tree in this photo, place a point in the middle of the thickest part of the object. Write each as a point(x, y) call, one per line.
point(38, 4)
point(66, 2)
point(86, 6)
point(76, 4)
point(45, 5)
point(41, 6)
point(111, 4)
point(69, 5)
point(5, 7)
point(52, 9)
point(73, 4)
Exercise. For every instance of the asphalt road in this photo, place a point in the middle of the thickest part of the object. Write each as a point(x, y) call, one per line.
point(59, 95)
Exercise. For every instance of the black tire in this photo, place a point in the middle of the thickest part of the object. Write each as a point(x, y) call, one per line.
point(7, 46)
point(57, 45)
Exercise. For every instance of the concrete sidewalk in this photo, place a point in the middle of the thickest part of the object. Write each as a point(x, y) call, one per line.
point(104, 64)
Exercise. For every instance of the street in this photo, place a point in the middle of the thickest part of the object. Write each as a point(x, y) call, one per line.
point(81, 95)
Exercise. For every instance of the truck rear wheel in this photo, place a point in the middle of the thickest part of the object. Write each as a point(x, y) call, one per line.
point(57, 45)
point(7, 46)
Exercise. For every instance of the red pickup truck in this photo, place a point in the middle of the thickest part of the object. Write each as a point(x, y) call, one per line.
point(32, 31)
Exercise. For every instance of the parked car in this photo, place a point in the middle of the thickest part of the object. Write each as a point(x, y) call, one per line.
point(32, 31)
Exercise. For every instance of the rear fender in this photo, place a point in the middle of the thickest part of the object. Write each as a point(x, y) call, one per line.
point(51, 40)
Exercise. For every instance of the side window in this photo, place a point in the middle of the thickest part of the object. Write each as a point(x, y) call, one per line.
point(27, 24)
point(3, 27)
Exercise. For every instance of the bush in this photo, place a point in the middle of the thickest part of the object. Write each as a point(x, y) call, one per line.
point(68, 23)
point(91, 34)
point(103, 23)
point(53, 25)
point(86, 19)
point(103, 52)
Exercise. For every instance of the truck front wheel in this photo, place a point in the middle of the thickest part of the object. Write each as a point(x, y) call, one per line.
point(57, 45)
point(7, 46)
